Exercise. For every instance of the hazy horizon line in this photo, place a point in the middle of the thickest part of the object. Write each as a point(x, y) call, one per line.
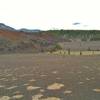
point(52, 28)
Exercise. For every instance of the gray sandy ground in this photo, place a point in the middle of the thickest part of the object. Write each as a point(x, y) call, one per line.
point(41, 76)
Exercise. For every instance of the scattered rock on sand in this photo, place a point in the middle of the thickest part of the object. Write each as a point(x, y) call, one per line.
point(97, 90)
point(2, 86)
point(12, 87)
point(42, 90)
point(30, 88)
point(26, 84)
point(19, 96)
point(43, 75)
point(81, 83)
point(5, 98)
point(32, 80)
point(37, 97)
point(51, 98)
point(55, 86)
point(88, 79)
point(67, 92)
point(55, 72)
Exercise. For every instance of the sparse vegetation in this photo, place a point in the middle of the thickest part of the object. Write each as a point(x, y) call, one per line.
point(43, 41)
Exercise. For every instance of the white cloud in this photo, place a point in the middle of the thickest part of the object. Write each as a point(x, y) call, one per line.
point(47, 14)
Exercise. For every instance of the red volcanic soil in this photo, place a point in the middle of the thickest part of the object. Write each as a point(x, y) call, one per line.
point(13, 35)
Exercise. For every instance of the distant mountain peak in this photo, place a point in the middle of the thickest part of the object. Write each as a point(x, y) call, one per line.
point(2, 24)
point(6, 27)
point(29, 30)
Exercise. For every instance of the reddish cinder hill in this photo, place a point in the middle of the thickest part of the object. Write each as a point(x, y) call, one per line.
point(13, 35)
point(16, 41)
point(17, 35)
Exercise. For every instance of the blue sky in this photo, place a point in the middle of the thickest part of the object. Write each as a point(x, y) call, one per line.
point(50, 14)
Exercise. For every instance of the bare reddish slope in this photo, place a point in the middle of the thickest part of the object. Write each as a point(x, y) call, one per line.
point(13, 35)
point(16, 35)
